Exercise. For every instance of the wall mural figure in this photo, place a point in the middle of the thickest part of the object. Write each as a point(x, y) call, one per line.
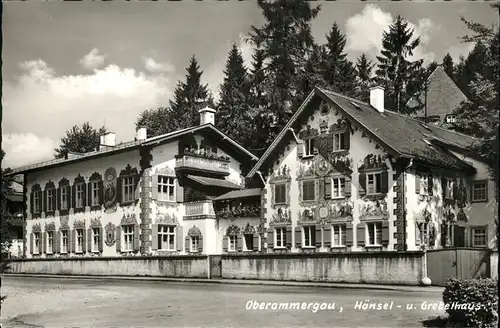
point(110, 234)
point(110, 191)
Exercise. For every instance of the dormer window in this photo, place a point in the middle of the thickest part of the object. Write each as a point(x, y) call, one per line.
point(374, 183)
point(451, 118)
point(339, 141)
point(309, 147)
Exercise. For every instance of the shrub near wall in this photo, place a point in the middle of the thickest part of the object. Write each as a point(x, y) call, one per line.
point(472, 302)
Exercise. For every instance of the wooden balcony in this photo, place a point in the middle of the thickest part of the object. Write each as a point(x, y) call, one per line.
point(189, 162)
point(199, 210)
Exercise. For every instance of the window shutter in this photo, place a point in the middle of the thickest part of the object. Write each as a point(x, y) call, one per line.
point(430, 184)
point(327, 236)
point(118, 239)
point(187, 242)
point(101, 240)
point(288, 237)
point(385, 233)
point(179, 191)
point(298, 237)
point(459, 236)
point(328, 188)
point(44, 200)
point(89, 192)
point(137, 179)
point(32, 197)
point(119, 190)
point(154, 186)
point(349, 240)
point(69, 197)
point(443, 187)
point(224, 244)
point(360, 229)
point(300, 149)
point(57, 242)
point(154, 237)
point(200, 244)
point(44, 242)
point(418, 240)
point(318, 235)
point(321, 189)
point(85, 237)
point(31, 243)
point(417, 184)
point(239, 243)
point(179, 237)
point(137, 238)
point(347, 190)
point(84, 186)
point(73, 241)
point(362, 184)
point(329, 143)
point(455, 189)
point(347, 140)
point(443, 234)
point(384, 188)
point(486, 183)
point(90, 239)
point(73, 197)
point(101, 192)
point(315, 147)
point(256, 241)
point(270, 238)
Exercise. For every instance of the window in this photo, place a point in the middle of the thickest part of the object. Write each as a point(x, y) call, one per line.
point(338, 141)
point(374, 233)
point(64, 241)
point(195, 242)
point(374, 183)
point(451, 119)
point(280, 193)
point(338, 186)
point(424, 185)
point(50, 242)
point(128, 238)
point(479, 237)
point(79, 195)
point(79, 241)
point(95, 240)
point(64, 198)
point(309, 236)
point(166, 188)
point(448, 191)
point(232, 243)
point(479, 192)
point(94, 192)
point(37, 204)
point(308, 190)
point(166, 238)
point(280, 237)
point(338, 235)
point(309, 147)
point(128, 189)
point(248, 242)
point(36, 243)
point(50, 200)
point(424, 233)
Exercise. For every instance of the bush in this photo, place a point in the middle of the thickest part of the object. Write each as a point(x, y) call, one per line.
point(472, 302)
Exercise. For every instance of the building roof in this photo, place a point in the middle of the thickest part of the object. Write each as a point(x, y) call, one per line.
point(255, 192)
point(443, 95)
point(402, 136)
point(206, 181)
point(127, 146)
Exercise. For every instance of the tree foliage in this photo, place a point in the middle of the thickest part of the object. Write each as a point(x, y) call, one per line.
point(448, 66)
point(5, 240)
point(79, 139)
point(364, 77)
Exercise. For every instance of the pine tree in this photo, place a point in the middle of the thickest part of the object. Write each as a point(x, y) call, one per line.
point(473, 64)
point(157, 121)
point(400, 77)
point(234, 111)
point(448, 66)
point(430, 68)
point(339, 73)
point(312, 74)
point(78, 139)
point(286, 41)
point(364, 68)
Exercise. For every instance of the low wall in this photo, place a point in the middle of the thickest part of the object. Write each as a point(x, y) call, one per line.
point(171, 266)
point(404, 268)
point(494, 264)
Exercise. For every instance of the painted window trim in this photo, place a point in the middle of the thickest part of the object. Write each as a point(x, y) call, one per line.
point(367, 234)
point(229, 237)
point(287, 192)
point(174, 228)
point(122, 237)
point(174, 179)
point(374, 173)
point(82, 250)
point(67, 251)
point(40, 194)
point(475, 182)
point(343, 242)
point(312, 228)
point(275, 236)
point(311, 151)
point(479, 227)
point(301, 184)
point(123, 177)
point(337, 177)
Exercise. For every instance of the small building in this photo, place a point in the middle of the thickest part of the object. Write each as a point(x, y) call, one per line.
point(151, 196)
point(344, 175)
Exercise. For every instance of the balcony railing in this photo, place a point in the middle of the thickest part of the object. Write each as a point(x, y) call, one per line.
point(199, 208)
point(200, 162)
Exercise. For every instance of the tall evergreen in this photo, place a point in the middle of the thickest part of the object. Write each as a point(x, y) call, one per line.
point(312, 74)
point(400, 77)
point(286, 41)
point(448, 66)
point(364, 68)
point(339, 73)
point(431, 68)
point(473, 64)
point(234, 111)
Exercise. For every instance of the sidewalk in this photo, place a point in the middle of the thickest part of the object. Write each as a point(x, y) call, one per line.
point(430, 289)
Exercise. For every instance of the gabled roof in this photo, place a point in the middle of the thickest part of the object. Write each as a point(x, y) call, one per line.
point(402, 136)
point(443, 95)
point(127, 146)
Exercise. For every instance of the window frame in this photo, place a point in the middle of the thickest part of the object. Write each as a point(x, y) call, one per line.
point(304, 182)
point(127, 245)
point(309, 147)
point(282, 235)
point(128, 193)
point(166, 197)
point(485, 191)
point(341, 231)
point(194, 246)
point(37, 201)
point(424, 229)
point(232, 243)
point(376, 185)
point(50, 242)
point(95, 243)
point(79, 203)
point(37, 242)
point(64, 237)
point(50, 200)
point(94, 193)
point(448, 192)
point(167, 231)
point(79, 242)
point(484, 235)
point(377, 225)
point(280, 185)
point(338, 141)
point(309, 234)
point(341, 189)
point(64, 192)
point(244, 240)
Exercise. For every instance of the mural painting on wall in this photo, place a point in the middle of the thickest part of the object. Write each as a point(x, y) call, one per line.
point(281, 216)
point(110, 191)
point(375, 209)
point(110, 234)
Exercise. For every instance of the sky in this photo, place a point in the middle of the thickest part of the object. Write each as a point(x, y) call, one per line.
point(65, 63)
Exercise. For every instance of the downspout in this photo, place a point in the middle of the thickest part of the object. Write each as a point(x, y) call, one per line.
point(261, 178)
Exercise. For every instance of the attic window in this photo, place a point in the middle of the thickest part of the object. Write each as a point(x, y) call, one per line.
point(355, 105)
point(425, 126)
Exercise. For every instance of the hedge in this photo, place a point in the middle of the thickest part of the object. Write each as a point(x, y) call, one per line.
point(472, 302)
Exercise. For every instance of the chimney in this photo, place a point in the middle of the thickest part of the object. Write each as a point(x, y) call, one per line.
point(141, 134)
point(207, 115)
point(377, 98)
point(108, 139)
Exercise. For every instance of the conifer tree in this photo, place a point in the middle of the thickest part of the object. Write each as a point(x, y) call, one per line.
point(448, 66)
point(364, 68)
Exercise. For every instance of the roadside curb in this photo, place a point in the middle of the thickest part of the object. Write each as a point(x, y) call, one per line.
point(431, 289)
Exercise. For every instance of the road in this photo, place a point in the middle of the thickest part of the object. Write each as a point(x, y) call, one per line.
point(49, 302)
